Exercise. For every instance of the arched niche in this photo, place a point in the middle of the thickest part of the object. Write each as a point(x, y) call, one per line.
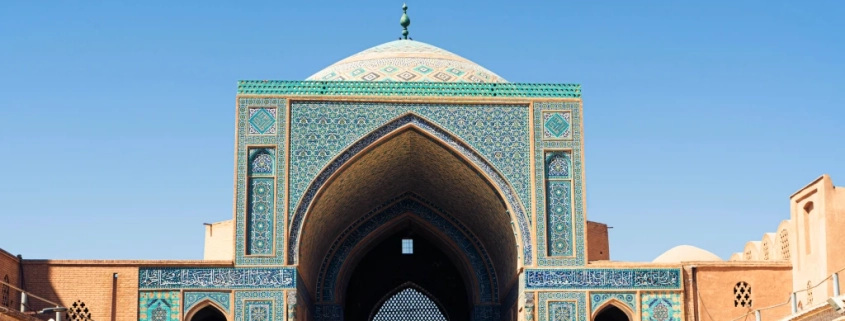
point(408, 296)
point(206, 310)
point(613, 310)
point(409, 154)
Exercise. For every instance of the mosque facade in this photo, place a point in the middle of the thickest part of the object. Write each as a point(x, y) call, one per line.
point(406, 182)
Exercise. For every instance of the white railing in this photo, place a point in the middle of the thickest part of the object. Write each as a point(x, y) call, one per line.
point(25, 299)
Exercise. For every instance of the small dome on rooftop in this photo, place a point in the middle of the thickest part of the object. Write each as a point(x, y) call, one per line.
point(686, 253)
point(406, 61)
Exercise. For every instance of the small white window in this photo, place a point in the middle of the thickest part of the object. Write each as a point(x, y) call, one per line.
point(407, 246)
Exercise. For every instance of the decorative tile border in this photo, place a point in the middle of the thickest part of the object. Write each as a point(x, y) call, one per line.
point(159, 306)
point(217, 278)
point(273, 138)
point(557, 125)
point(661, 306)
point(220, 298)
point(573, 147)
point(599, 298)
point(259, 305)
point(473, 251)
point(619, 279)
point(425, 125)
point(549, 300)
point(427, 89)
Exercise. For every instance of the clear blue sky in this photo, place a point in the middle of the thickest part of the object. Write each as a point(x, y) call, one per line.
point(117, 120)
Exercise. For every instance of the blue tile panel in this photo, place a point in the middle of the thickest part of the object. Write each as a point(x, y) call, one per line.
point(617, 279)
point(561, 306)
point(217, 278)
point(629, 299)
point(220, 298)
point(416, 89)
point(328, 312)
point(259, 306)
point(158, 306)
point(557, 125)
point(261, 152)
point(661, 306)
point(486, 313)
point(446, 224)
point(310, 154)
point(559, 159)
point(260, 223)
point(322, 130)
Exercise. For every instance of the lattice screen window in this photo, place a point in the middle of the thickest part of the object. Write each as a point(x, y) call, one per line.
point(409, 305)
point(742, 295)
point(766, 250)
point(784, 244)
point(748, 255)
point(4, 296)
point(78, 312)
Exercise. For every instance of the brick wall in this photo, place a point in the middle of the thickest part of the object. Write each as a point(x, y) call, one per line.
point(598, 247)
point(9, 267)
point(93, 284)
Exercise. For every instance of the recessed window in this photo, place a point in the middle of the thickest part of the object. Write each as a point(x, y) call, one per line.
point(407, 246)
point(5, 292)
point(742, 295)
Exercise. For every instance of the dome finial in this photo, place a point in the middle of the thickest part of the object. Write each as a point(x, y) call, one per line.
point(405, 21)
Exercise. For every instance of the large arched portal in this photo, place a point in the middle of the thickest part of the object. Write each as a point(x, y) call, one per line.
point(409, 181)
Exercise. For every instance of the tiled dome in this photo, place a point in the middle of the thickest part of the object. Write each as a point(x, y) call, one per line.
point(407, 60)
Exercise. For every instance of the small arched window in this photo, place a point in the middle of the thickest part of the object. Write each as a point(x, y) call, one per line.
point(4, 296)
point(742, 294)
point(808, 209)
point(409, 304)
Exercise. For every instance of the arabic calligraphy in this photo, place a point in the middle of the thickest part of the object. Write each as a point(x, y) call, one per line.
point(639, 279)
point(216, 278)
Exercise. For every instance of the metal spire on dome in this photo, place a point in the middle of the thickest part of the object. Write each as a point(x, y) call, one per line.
point(405, 21)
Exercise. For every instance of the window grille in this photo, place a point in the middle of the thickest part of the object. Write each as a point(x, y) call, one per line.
point(4, 300)
point(407, 246)
point(409, 305)
point(742, 295)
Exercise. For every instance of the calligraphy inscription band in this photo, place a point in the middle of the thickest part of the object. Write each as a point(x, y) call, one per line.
point(216, 278)
point(634, 279)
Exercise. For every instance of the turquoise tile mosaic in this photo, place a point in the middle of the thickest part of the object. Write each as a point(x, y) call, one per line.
point(346, 242)
point(557, 168)
point(415, 89)
point(159, 306)
point(661, 306)
point(604, 279)
point(561, 306)
point(597, 299)
point(259, 305)
point(221, 299)
point(261, 146)
point(324, 131)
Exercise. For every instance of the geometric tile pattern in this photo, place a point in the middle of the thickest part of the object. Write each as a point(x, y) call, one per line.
point(559, 216)
point(259, 305)
point(406, 89)
point(561, 306)
point(262, 121)
point(158, 306)
point(322, 130)
point(661, 306)
point(217, 278)
point(448, 225)
point(219, 298)
point(604, 279)
point(267, 161)
point(566, 230)
point(557, 125)
point(260, 224)
point(406, 60)
point(496, 133)
point(599, 298)
point(563, 310)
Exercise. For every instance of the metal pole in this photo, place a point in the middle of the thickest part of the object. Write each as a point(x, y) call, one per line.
point(23, 301)
point(59, 316)
point(836, 284)
point(756, 315)
point(794, 303)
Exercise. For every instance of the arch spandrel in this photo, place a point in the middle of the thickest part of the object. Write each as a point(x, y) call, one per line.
point(321, 131)
point(410, 154)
